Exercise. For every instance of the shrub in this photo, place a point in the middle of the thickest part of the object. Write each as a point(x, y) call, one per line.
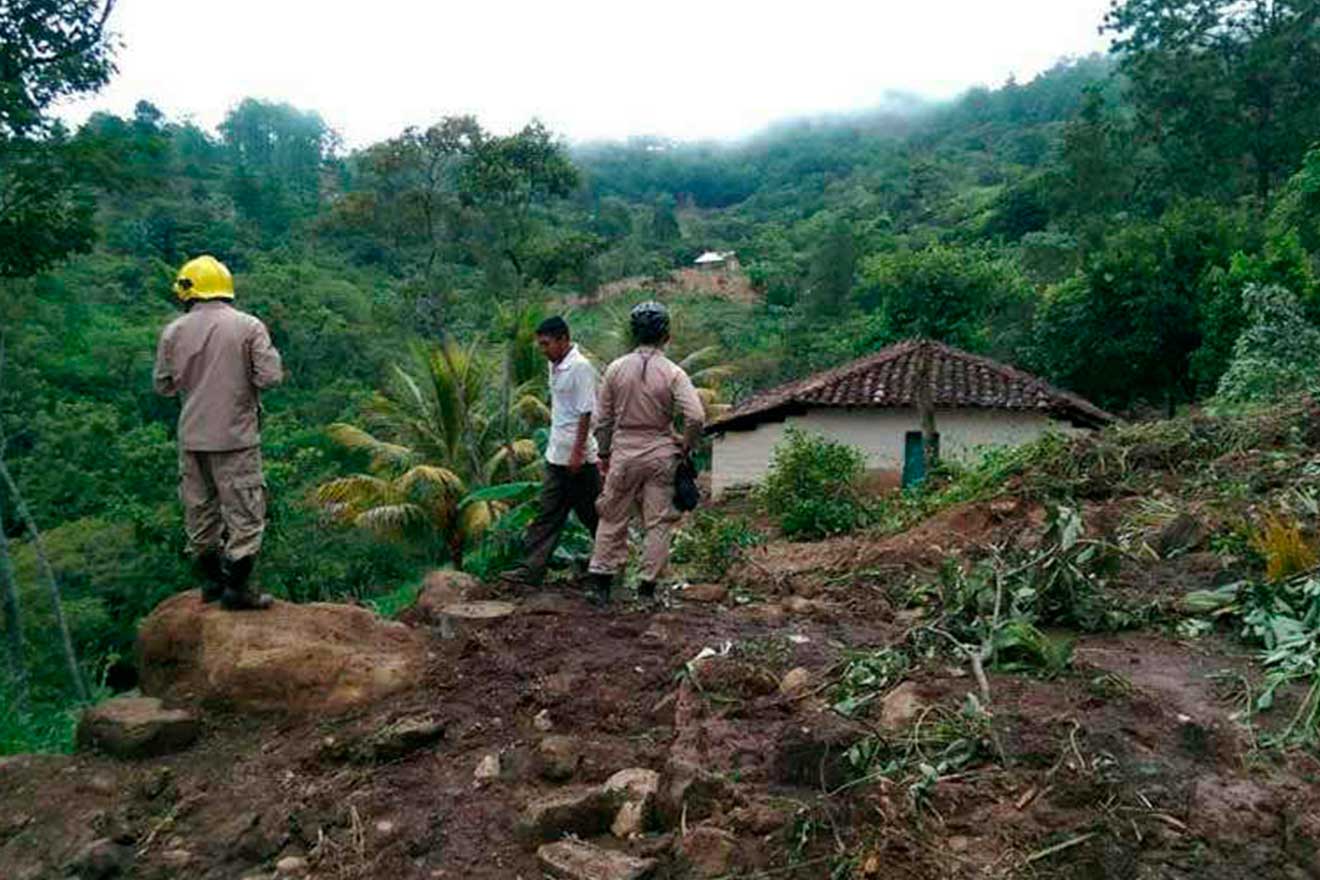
point(711, 543)
point(812, 486)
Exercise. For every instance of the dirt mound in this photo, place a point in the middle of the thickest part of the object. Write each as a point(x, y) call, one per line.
point(292, 658)
point(804, 567)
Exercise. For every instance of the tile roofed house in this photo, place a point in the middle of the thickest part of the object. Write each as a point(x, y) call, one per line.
point(873, 404)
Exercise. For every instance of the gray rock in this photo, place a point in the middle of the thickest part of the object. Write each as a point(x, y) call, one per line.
point(585, 811)
point(638, 786)
point(136, 727)
point(395, 740)
point(576, 860)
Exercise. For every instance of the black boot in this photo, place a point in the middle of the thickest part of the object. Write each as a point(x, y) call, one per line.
point(599, 585)
point(209, 569)
point(238, 596)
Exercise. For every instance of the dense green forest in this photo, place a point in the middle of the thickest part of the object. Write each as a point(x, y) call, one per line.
point(1098, 224)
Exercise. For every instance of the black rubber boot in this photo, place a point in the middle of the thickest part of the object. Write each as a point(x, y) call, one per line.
point(600, 584)
point(209, 569)
point(238, 596)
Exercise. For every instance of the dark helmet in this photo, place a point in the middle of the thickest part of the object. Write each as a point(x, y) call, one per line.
point(650, 323)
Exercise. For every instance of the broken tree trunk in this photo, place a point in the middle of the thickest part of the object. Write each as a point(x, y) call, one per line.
point(465, 618)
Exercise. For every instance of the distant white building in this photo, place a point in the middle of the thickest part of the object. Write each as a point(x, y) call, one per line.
point(872, 404)
point(717, 261)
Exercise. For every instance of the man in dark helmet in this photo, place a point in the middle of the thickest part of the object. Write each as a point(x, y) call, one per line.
point(640, 397)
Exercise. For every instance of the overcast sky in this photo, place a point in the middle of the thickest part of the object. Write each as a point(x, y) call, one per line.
point(589, 69)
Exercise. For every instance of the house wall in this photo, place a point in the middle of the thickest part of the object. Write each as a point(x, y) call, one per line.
point(742, 457)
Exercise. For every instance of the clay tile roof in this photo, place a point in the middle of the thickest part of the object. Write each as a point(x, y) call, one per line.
point(889, 378)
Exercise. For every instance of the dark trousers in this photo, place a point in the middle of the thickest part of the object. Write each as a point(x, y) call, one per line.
point(562, 492)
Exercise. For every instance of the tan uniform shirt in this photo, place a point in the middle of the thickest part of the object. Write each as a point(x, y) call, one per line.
point(219, 359)
point(639, 398)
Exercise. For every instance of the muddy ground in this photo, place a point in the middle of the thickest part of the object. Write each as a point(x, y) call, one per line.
point(1130, 764)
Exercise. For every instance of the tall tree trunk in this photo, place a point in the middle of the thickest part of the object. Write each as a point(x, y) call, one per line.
point(70, 656)
point(13, 622)
point(926, 407)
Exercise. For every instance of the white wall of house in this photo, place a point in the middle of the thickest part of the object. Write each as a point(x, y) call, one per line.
point(741, 458)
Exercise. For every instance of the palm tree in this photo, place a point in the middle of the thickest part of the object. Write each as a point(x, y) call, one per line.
point(703, 363)
point(430, 479)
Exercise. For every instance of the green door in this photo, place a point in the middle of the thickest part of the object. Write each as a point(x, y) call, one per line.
point(914, 458)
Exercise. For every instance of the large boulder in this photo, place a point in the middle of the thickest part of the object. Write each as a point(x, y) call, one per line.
point(441, 588)
point(136, 727)
point(296, 659)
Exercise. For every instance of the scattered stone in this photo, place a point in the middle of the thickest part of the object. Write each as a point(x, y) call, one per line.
point(136, 727)
point(397, 739)
point(585, 811)
point(560, 685)
point(542, 721)
point(1183, 532)
point(318, 658)
point(629, 821)
point(102, 859)
point(901, 706)
point(686, 786)
point(758, 819)
point(709, 851)
point(113, 825)
point(733, 677)
point(770, 614)
point(638, 786)
point(577, 860)
point(558, 758)
point(795, 682)
point(488, 768)
point(291, 866)
point(704, 593)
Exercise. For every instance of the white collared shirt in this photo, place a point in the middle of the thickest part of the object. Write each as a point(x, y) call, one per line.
point(572, 395)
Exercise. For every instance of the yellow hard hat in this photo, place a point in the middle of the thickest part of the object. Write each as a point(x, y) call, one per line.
point(204, 278)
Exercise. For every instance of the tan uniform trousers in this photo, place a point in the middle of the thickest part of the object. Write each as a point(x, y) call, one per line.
point(649, 481)
point(224, 501)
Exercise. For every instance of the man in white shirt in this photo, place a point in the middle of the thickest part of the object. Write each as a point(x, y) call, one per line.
point(572, 479)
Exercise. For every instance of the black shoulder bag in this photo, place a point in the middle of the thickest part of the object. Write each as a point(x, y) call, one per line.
point(686, 494)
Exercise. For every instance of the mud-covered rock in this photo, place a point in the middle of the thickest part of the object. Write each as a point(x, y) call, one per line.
point(795, 682)
point(901, 706)
point(708, 851)
point(557, 758)
point(685, 785)
point(102, 859)
point(1182, 533)
point(395, 740)
point(295, 659)
point(706, 593)
point(585, 811)
point(136, 727)
point(813, 752)
point(638, 786)
point(578, 860)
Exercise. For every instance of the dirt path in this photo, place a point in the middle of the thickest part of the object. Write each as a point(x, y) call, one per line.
point(1128, 766)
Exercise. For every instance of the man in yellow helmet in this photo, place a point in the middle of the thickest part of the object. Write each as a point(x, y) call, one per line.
point(219, 360)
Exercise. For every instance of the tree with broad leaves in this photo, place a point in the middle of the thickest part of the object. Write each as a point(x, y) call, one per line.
point(1222, 85)
point(49, 49)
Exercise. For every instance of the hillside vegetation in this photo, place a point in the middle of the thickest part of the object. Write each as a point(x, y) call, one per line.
point(1098, 225)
